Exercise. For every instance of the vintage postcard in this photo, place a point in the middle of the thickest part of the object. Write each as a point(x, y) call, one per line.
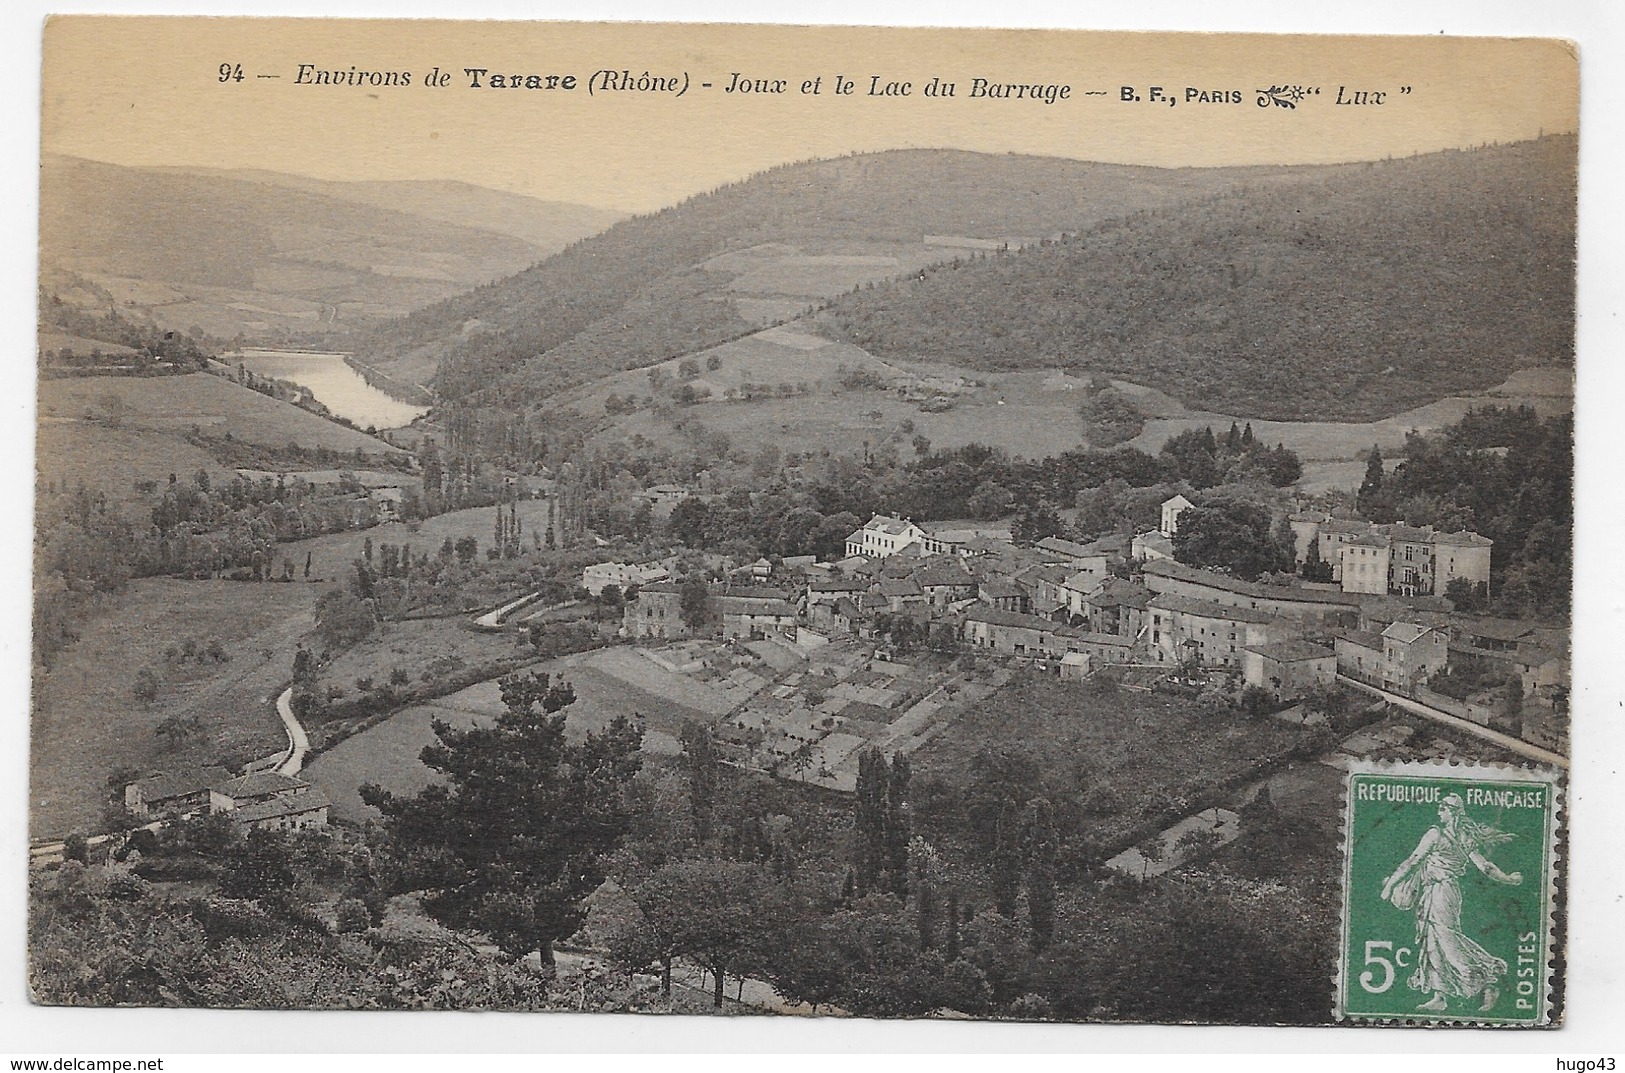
point(803, 521)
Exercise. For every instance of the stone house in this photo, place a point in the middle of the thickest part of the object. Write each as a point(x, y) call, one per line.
point(748, 618)
point(656, 613)
point(177, 793)
point(1185, 629)
point(1412, 653)
point(1288, 669)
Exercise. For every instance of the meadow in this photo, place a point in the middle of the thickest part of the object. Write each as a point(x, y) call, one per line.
point(332, 555)
point(173, 405)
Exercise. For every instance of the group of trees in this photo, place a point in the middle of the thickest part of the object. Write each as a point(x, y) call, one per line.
point(1203, 460)
point(871, 903)
point(1109, 416)
point(1235, 535)
point(1502, 472)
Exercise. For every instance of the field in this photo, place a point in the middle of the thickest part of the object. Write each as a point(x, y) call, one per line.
point(1318, 441)
point(332, 555)
point(72, 452)
point(174, 404)
point(52, 341)
point(387, 754)
point(1132, 756)
point(775, 356)
point(87, 722)
point(1015, 411)
point(450, 643)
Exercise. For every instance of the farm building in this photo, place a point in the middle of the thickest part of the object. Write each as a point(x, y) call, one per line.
point(173, 794)
point(656, 613)
point(1288, 669)
point(746, 618)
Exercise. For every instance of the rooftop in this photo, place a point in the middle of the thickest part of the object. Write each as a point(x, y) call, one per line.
point(1190, 605)
point(753, 605)
point(281, 806)
point(264, 782)
point(884, 523)
point(1292, 651)
point(1062, 546)
point(1496, 629)
point(1167, 568)
point(1363, 638)
point(1121, 592)
point(166, 785)
point(840, 584)
point(1404, 632)
point(995, 587)
point(995, 617)
point(1463, 540)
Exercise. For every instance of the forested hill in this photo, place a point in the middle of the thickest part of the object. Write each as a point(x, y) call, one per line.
point(643, 292)
point(1355, 294)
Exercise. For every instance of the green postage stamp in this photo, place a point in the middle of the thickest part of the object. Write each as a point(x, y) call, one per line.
point(1447, 894)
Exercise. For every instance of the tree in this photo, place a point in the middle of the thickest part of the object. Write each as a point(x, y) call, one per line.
point(343, 618)
point(703, 760)
point(881, 824)
point(1229, 533)
point(1464, 594)
point(1314, 567)
point(1374, 499)
point(259, 865)
point(514, 838)
point(1037, 522)
point(1510, 704)
point(1330, 702)
point(146, 685)
point(1042, 848)
point(710, 910)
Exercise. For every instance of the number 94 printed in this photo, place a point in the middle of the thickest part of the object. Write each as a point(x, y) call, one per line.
point(1447, 894)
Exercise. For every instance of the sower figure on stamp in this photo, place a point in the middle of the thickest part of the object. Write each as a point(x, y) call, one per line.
point(1448, 963)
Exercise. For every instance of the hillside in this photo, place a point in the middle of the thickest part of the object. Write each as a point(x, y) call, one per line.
point(760, 251)
point(275, 257)
point(549, 226)
point(1352, 295)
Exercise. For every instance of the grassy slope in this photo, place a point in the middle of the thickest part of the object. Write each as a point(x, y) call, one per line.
point(1014, 412)
point(1355, 295)
point(332, 555)
point(148, 443)
point(234, 254)
point(86, 722)
point(173, 404)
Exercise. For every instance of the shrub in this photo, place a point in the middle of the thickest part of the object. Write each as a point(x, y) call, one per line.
point(353, 916)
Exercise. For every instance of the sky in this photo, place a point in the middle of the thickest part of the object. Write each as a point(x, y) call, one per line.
point(149, 92)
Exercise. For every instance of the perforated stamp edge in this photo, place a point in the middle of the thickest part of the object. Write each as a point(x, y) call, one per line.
point(1550, 879)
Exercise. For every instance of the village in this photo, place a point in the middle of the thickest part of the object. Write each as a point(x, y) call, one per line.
point(803, 666)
